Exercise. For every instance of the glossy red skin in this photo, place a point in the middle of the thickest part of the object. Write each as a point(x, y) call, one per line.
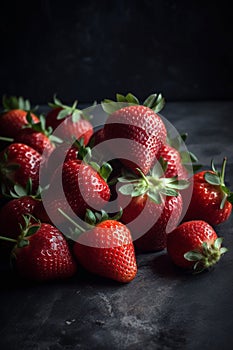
point(47, 256)
point(166, 219)
point(186, 237)
point(148, 130)
point(174, 162)
point(11, 215)
point(81, 129)
point(116, 259)
point(58, 157)
point(84, 187)
point(36, 140)
point(29, 163)
point(11, 122)
point(205, 202)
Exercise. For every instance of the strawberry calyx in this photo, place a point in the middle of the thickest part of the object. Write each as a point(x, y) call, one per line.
point(26, 231)
point(206, 256)
point(154, 184)
point(94, 218)
point(156, 102)
point(216, 178)
point(41, 127)
point(66, 111)
point(13, 102)
point(19, 191)
point(85, 154)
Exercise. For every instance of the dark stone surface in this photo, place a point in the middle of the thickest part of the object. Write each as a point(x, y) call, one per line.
point(92, 49)
point(163, 308)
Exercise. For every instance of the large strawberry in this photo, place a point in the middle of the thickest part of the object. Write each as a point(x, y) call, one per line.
point(75, 124)
point(141, 130)
point(194, 244)
point(14, 116)
point(152, 207)
point(107, 250)
point(19, 164)
point(211, 200)
point(42, 253)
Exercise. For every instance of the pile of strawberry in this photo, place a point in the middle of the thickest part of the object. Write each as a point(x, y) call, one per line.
point(147, 183)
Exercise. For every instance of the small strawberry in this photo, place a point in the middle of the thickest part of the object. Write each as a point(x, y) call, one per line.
point(154, 207)
point(173, 162)
point(14, 116)
point(211, 200)
point(19, 163)
point(194, 244)
point(107, 249)
point(42, 253)
point(142, 130)
point(74, 122)
point(37, 136)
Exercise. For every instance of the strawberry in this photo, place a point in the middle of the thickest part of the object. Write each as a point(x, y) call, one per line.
point(107, 250)
point(84, 187)
point(194, 244)
point(19, 163)
point(74, 122)
point(211, 200)
point(37, 136)
point(173, 162)
point(153, 208)
point(15, 115)
point(142, 130)
point(42, 253)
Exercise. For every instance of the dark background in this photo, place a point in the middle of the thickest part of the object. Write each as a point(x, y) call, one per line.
point(90, 50)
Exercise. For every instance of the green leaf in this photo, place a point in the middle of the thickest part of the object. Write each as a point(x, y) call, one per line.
point(23, 243)
point(139, 191)
point(20, 191)
point(157, 170)
point(120, 98)
point(193, 158)
point(90, 217)
point(126, 189)
point(169, 192)
point(223, 250)
point(76, 116)
point(55, 139)
point(118, 215)
point(150, 100)
point(184, 136)
point(155, 197)
point(104, 215)
point(212, 179)
point(230, 198)
point(33, 229)
point(193, 255)
point(179, 185)
point(218, 243)
point(105, 171)
point(132, 99)
point(63, 114)
point(110, 107)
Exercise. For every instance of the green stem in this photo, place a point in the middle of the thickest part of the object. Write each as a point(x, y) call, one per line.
point(71, 220)
point(7, 139)
point(222, 175)
point(8, 239)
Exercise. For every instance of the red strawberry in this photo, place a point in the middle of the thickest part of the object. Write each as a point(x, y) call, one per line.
point(84, 187)
point(142, 131)
point(211, 200)
point(107, 250)
point(73, 122)
point(14, 116)
point(173, 162)
point(194, 244)
point(18, 164)
point(154, 209)
point(37, 136)
point(42, 253)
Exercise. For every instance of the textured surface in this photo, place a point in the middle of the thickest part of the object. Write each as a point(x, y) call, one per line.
point(163, 308)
